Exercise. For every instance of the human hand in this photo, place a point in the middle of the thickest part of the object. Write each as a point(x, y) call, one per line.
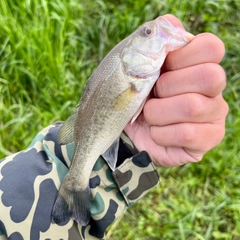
point(185, 115)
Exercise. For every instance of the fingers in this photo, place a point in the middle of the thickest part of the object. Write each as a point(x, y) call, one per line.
point(187, 108)
point(204, 48)
point(208, 79)
point(174, 20)
point(187, 117)
point(194, 137)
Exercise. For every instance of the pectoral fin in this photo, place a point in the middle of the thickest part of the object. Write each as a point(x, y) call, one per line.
point(138, 111)
point(111, 155)
point(124, 99)
point(66, 132)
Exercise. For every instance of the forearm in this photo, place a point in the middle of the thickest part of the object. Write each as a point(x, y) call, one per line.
point(30, 180)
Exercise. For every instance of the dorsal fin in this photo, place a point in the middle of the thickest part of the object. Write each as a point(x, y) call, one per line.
point(66, 132)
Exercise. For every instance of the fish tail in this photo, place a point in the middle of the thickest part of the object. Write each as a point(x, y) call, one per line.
point(81, 210)
point(72, 203)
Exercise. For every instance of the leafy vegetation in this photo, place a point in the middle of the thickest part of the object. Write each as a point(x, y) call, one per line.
point(48, 49)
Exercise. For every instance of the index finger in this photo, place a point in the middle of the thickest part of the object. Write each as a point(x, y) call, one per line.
point(204, 48)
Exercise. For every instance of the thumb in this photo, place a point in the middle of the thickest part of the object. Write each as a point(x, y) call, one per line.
point(174, 20)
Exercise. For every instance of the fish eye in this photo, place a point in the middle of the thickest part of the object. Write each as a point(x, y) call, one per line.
point(147, 31)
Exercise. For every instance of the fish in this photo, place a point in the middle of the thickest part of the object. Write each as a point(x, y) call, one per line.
point(114, 96)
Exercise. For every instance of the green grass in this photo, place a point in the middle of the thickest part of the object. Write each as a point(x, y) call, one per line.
point(48, 49)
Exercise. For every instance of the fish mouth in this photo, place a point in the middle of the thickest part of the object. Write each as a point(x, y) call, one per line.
point(188, 35)
point(179, 34)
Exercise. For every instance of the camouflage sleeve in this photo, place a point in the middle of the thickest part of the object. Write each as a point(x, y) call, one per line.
point(29, 181)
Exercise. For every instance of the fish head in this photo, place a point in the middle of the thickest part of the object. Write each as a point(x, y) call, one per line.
point(148, 46)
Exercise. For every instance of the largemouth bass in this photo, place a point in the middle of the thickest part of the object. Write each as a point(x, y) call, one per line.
point(114, 95)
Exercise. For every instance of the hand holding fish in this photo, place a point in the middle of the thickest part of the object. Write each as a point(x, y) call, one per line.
point(186, 116)
point(184, 120)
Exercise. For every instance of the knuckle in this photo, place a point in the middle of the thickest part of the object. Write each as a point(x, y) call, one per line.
point(220, 133)
point(194, 106)
point(225, 108)
point(212, 78)
point(215, 136)
point(186, 134)
point(215, 78)
point(197, 158)
point(219, 77)
point(221, 108)
point(215, 48)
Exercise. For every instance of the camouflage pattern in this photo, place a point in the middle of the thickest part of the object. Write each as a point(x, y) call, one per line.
point(140, 172)
point(29, 181)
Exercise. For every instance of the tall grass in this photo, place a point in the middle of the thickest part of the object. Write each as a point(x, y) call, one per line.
point(48, 49)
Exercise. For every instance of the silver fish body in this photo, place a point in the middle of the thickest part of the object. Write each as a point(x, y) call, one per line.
point(114, 95)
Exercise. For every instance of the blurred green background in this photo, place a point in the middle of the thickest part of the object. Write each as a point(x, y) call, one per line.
point(48, 49)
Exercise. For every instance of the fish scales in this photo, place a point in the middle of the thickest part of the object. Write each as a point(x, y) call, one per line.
point(114, 95)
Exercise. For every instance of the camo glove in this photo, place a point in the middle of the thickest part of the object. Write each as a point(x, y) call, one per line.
point(30, 179)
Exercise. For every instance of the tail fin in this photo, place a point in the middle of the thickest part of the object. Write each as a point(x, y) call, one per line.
point(72, 203)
